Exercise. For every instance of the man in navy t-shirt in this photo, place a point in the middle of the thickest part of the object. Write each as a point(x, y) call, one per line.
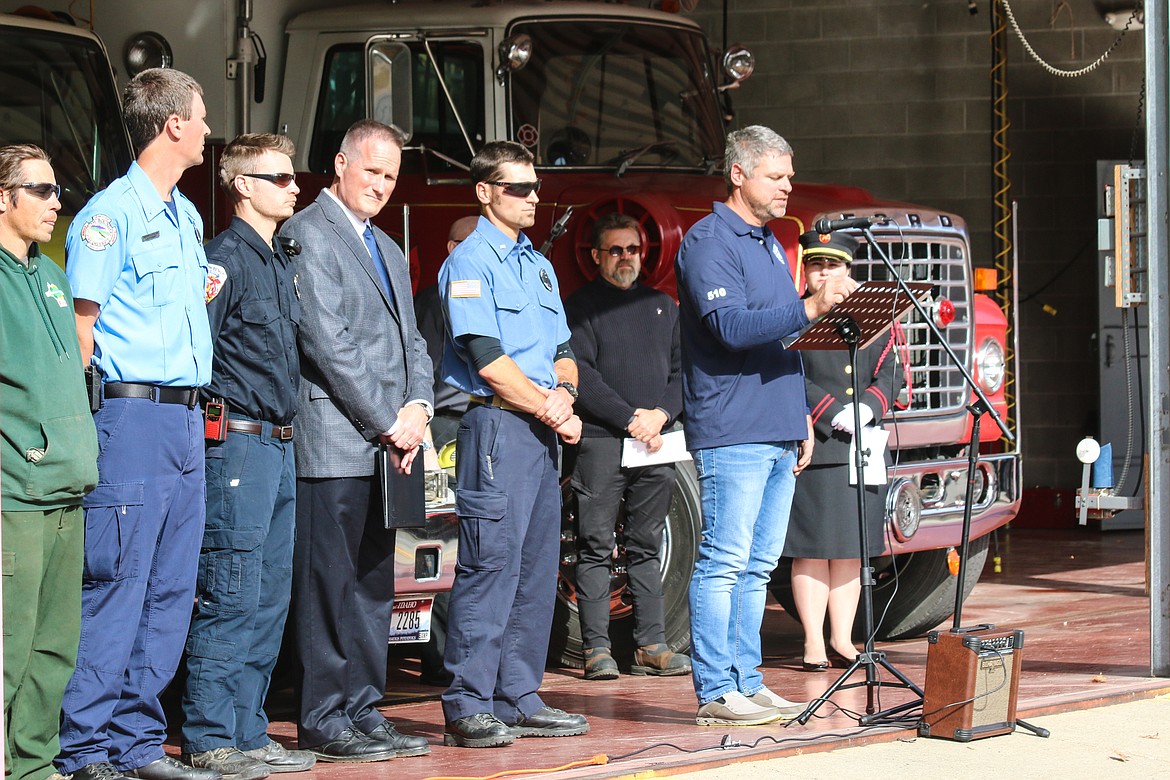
point(747, 419)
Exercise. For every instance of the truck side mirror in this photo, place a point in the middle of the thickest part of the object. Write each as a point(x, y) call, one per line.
point(388, 84)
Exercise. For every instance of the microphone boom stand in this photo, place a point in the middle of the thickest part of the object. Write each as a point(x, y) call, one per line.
point(977, 409)
point(870, 659)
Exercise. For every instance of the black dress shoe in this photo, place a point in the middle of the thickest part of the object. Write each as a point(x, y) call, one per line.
point(99, 770)
point(550, 722)
point(401, 744)
point(819, 666)
point(352, 747)
point(481, 730)
point(168, 768)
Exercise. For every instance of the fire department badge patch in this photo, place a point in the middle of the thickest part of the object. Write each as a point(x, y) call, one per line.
point(545, 280)
point(99, 232)
point(216, 276)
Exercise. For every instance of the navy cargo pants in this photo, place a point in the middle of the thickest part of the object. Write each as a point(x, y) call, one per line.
point(242, 591)
point(509, 507)
point(143, 526)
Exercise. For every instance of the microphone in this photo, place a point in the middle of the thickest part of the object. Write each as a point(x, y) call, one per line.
point(824, 226)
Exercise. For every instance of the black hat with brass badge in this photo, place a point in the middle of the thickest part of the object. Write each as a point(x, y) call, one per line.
point(837, 246)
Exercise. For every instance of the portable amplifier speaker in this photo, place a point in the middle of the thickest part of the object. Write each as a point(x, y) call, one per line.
point(972, 679)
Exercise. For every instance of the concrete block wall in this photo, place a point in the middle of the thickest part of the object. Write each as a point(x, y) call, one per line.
point(895, 96)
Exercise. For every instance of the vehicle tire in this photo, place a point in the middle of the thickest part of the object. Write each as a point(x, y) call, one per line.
point(918, 598)
point(680, 547)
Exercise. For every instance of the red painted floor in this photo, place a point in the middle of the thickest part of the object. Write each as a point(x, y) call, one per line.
point(1078, 596)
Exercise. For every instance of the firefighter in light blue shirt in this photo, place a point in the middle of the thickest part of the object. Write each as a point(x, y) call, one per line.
point(139, 278)
point(508, 346)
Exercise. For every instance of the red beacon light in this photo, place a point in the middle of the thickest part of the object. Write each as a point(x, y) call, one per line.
point(944, 312)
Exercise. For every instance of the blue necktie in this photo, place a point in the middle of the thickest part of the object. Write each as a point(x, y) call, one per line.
point(379, 263)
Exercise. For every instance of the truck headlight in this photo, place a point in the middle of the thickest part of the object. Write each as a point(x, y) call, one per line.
point(991, 364)
point(904, 508)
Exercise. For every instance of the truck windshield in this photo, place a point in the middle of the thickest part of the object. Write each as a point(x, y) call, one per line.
point(58, 94)
point(620, 94)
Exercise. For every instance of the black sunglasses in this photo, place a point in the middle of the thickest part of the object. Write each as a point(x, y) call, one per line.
point(42, 189)
point(279, 179)
point(517, 189)
point(616, 251)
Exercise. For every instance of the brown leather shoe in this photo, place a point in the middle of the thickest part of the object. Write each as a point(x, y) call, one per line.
point(599, 664)
point(659, 661)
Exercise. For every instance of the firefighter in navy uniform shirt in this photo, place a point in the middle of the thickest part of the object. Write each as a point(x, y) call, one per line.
point(251, 478)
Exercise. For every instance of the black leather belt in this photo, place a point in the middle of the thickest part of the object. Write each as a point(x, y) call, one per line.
point(163, 394)
point(282, 432)
point(496, 401)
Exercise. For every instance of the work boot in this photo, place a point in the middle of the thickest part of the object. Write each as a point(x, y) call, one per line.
point(230, 763)
point(659, 661)
point(281, 759)
point(599, 664)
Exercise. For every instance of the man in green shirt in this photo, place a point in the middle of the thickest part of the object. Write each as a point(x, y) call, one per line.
point(48, 456)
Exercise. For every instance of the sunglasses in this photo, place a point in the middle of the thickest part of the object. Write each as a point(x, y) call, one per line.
point(616, 251)
point(517, 189)
point(42, 189)
point(279, 179)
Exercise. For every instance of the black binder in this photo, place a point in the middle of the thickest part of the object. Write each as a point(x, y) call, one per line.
point(403, 499)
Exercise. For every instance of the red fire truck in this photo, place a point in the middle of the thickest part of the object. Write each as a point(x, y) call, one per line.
point(625, 109)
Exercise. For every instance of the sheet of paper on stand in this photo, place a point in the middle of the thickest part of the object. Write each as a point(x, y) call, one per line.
point(874, 440)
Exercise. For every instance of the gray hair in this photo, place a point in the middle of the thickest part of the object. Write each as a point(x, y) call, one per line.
point(365, 129)
point(748, 146)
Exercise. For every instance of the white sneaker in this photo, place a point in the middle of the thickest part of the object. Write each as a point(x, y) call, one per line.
point(734, 709)
point(788, 709)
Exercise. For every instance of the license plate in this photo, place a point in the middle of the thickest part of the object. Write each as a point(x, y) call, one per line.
point(411, 621)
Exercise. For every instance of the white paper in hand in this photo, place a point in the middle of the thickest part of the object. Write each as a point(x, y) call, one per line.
point(874, 440)
point(674, 449)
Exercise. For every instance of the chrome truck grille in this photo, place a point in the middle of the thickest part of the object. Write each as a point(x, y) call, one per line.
point(937, 386)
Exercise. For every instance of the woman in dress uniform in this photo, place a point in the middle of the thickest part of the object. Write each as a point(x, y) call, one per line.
point(823, 535)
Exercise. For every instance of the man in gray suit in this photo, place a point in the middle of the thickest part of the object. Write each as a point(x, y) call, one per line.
point(365, 378)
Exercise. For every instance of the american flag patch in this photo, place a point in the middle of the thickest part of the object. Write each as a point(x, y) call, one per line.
point(465, 288)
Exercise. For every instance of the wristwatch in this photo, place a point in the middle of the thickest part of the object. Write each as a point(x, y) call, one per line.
point(570, 388)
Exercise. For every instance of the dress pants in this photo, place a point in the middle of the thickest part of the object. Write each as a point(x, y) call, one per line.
point(242, 591)
point(143, 528)
point(509, 507)
point(42, 619)
point(600, 483)
point(343, 599)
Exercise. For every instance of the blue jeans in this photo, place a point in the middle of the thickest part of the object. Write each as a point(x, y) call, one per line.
point(242, 591)
point(745, 491)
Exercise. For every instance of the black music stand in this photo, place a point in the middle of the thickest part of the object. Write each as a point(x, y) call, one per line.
point(855, 324)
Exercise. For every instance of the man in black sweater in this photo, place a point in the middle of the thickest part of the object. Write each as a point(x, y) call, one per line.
point(626, 339)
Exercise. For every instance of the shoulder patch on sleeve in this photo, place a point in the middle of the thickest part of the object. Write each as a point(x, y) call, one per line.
point(216, 276)
point(99, 232)
point(465, 288)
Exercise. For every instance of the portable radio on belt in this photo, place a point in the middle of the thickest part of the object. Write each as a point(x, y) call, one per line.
point(93, 385)
point(215, 420)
